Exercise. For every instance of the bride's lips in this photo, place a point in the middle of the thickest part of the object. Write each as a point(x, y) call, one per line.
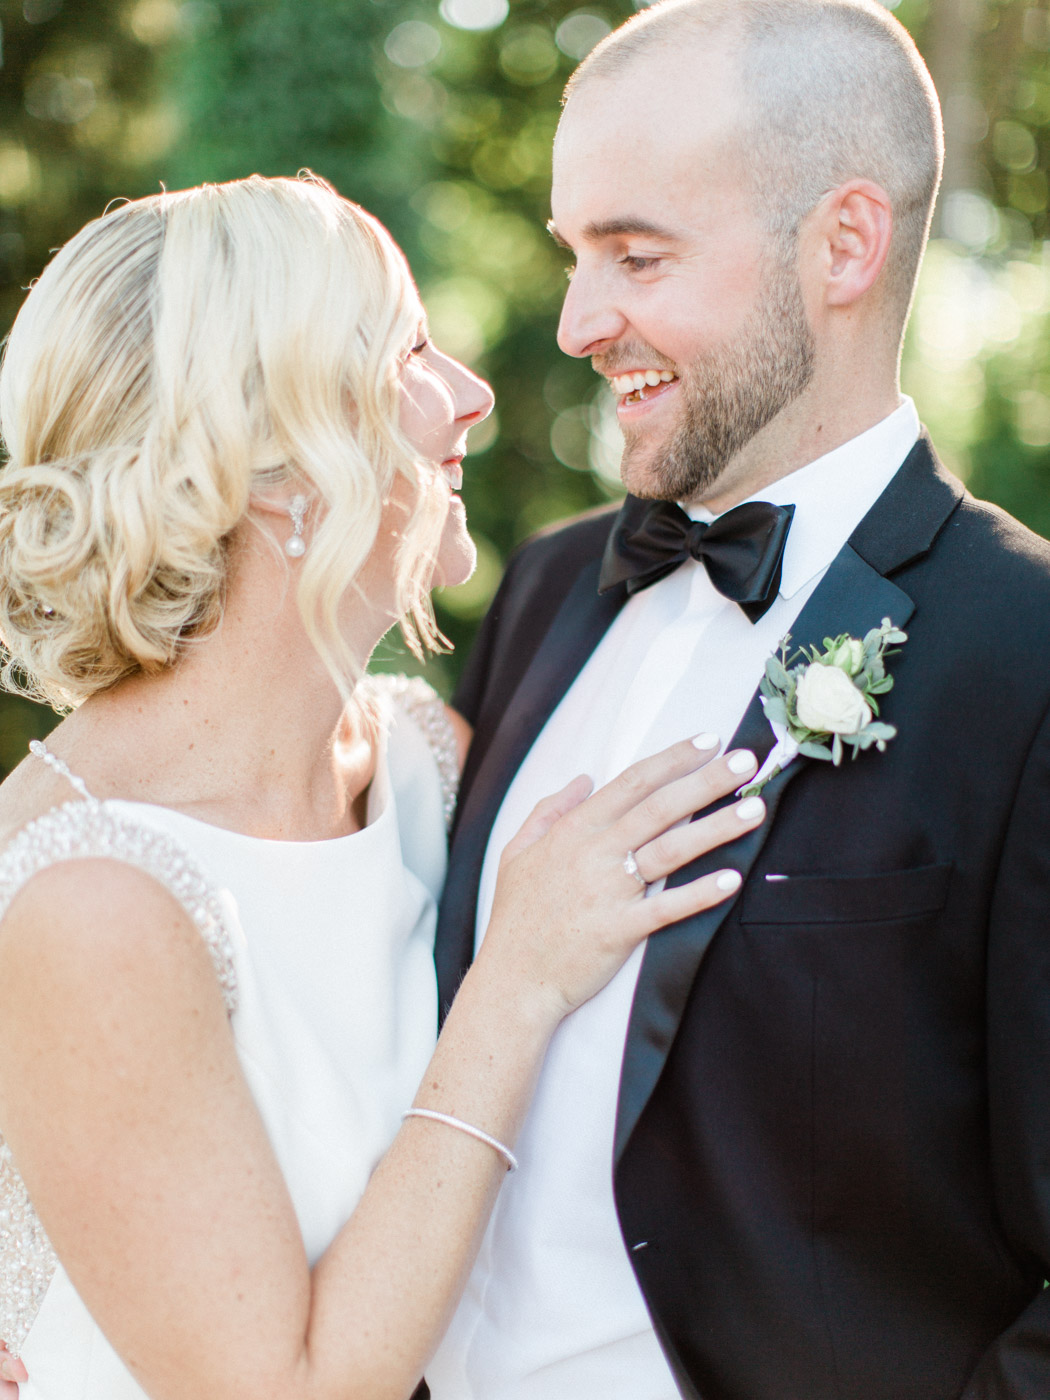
point(452, 471)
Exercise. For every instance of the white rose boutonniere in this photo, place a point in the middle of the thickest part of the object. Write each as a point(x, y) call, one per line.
point(817, 702)
point(827, 701)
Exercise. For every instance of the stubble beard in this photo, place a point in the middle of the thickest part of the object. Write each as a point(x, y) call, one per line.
point(728, 396)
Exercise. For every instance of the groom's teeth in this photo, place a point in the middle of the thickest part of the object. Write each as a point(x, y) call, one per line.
point(641, 379)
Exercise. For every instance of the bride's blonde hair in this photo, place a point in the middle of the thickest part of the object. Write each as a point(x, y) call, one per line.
point(179, 354)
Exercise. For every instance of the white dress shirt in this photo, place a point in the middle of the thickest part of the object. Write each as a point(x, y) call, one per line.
point(552, 1310)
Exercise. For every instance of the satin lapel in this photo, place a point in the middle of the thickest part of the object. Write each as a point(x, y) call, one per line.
point(578, 627)
point(852, 597)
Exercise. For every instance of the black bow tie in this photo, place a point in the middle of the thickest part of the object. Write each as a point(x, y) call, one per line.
point(743, 550)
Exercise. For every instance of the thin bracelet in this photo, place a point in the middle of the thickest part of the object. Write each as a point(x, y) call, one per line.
point(468, 1128)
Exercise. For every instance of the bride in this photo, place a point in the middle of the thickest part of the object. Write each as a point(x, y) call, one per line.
point(234, 454)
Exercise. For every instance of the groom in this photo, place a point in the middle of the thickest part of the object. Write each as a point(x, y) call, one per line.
point(800, 1149)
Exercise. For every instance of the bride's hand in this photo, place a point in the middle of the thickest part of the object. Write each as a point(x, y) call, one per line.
point(11, 1372)
point(567, 913)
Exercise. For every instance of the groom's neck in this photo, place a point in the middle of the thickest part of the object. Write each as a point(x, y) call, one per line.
point(807, 429)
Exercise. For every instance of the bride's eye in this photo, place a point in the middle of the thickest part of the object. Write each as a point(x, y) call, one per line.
point(418, 349)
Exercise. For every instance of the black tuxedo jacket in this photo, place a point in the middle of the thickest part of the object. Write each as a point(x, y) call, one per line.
point(832, 1157)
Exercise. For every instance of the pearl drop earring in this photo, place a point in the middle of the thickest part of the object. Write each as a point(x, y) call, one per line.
point(295, 545)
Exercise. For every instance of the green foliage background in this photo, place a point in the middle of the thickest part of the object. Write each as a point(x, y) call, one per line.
point(444, 131)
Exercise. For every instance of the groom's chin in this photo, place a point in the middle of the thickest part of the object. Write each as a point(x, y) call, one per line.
point(655, 476)
point(642, 471)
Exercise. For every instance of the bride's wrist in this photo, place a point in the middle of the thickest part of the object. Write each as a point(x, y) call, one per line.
point(527, 1008)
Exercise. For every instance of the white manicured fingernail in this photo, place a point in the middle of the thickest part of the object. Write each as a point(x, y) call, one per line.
point(729, 880)
point(706, 741)
point(750, 808)
point(741, 762)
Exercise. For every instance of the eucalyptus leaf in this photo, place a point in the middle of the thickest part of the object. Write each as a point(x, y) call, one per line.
point(879, 730)
point(812, 750)
point(777, 673)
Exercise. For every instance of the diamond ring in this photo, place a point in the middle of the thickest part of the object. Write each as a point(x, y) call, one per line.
point(630, 865)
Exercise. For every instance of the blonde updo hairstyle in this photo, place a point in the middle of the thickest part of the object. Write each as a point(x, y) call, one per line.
point(178, 355)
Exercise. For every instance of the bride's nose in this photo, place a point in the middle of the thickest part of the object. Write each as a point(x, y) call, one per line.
point(472, 396)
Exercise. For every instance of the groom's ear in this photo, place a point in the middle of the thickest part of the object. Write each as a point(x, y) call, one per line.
point(849, 232)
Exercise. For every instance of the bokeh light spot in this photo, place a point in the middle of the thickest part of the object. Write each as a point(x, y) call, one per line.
point(154, 22)
point(528, 56)
point(445, 204)
point(474, 14)
point(970, 219)
point(1014, 146)
point(19, 174)
point(466, 314)
point(54, 97)
point(412, 44)
point(579, 32)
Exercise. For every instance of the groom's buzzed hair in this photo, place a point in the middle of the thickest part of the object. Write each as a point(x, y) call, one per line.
point(833, 90)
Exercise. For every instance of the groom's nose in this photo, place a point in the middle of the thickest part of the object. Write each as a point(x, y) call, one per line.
point(590, 321)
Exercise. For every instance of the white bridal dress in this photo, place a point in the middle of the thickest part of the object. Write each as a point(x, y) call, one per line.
point(324, 951)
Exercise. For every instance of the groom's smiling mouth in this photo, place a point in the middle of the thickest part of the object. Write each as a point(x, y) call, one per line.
point(639, 385)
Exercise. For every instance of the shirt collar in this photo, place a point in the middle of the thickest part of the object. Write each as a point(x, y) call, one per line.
point(834, 493)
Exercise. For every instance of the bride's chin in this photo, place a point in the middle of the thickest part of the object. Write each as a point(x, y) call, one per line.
point(457, 555)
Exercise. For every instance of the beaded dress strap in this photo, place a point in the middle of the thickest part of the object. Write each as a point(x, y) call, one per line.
point(40, 750)
point(91, 828)
point(425, 707)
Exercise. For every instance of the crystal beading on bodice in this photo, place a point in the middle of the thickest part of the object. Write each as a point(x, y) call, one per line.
point(78, 831)
point(421, 703)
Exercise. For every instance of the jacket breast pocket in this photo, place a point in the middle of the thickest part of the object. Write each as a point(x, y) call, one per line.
point(845, 899)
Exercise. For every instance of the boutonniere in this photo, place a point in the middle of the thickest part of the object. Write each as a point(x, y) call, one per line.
point(818, 702)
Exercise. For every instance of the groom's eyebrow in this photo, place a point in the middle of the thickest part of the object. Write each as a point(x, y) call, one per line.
point(595, 231)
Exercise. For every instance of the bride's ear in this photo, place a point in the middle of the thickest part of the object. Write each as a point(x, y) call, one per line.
point(274, 502)
point(285, 513)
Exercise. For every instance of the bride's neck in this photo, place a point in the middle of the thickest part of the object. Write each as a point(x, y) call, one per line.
point(247, 730)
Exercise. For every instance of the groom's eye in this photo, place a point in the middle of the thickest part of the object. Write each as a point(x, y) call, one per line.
point(569, 270)
point(637, 264)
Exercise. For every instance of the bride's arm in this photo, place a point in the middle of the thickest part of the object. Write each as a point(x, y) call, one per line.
point(11, 1372)
point(124, 1105)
